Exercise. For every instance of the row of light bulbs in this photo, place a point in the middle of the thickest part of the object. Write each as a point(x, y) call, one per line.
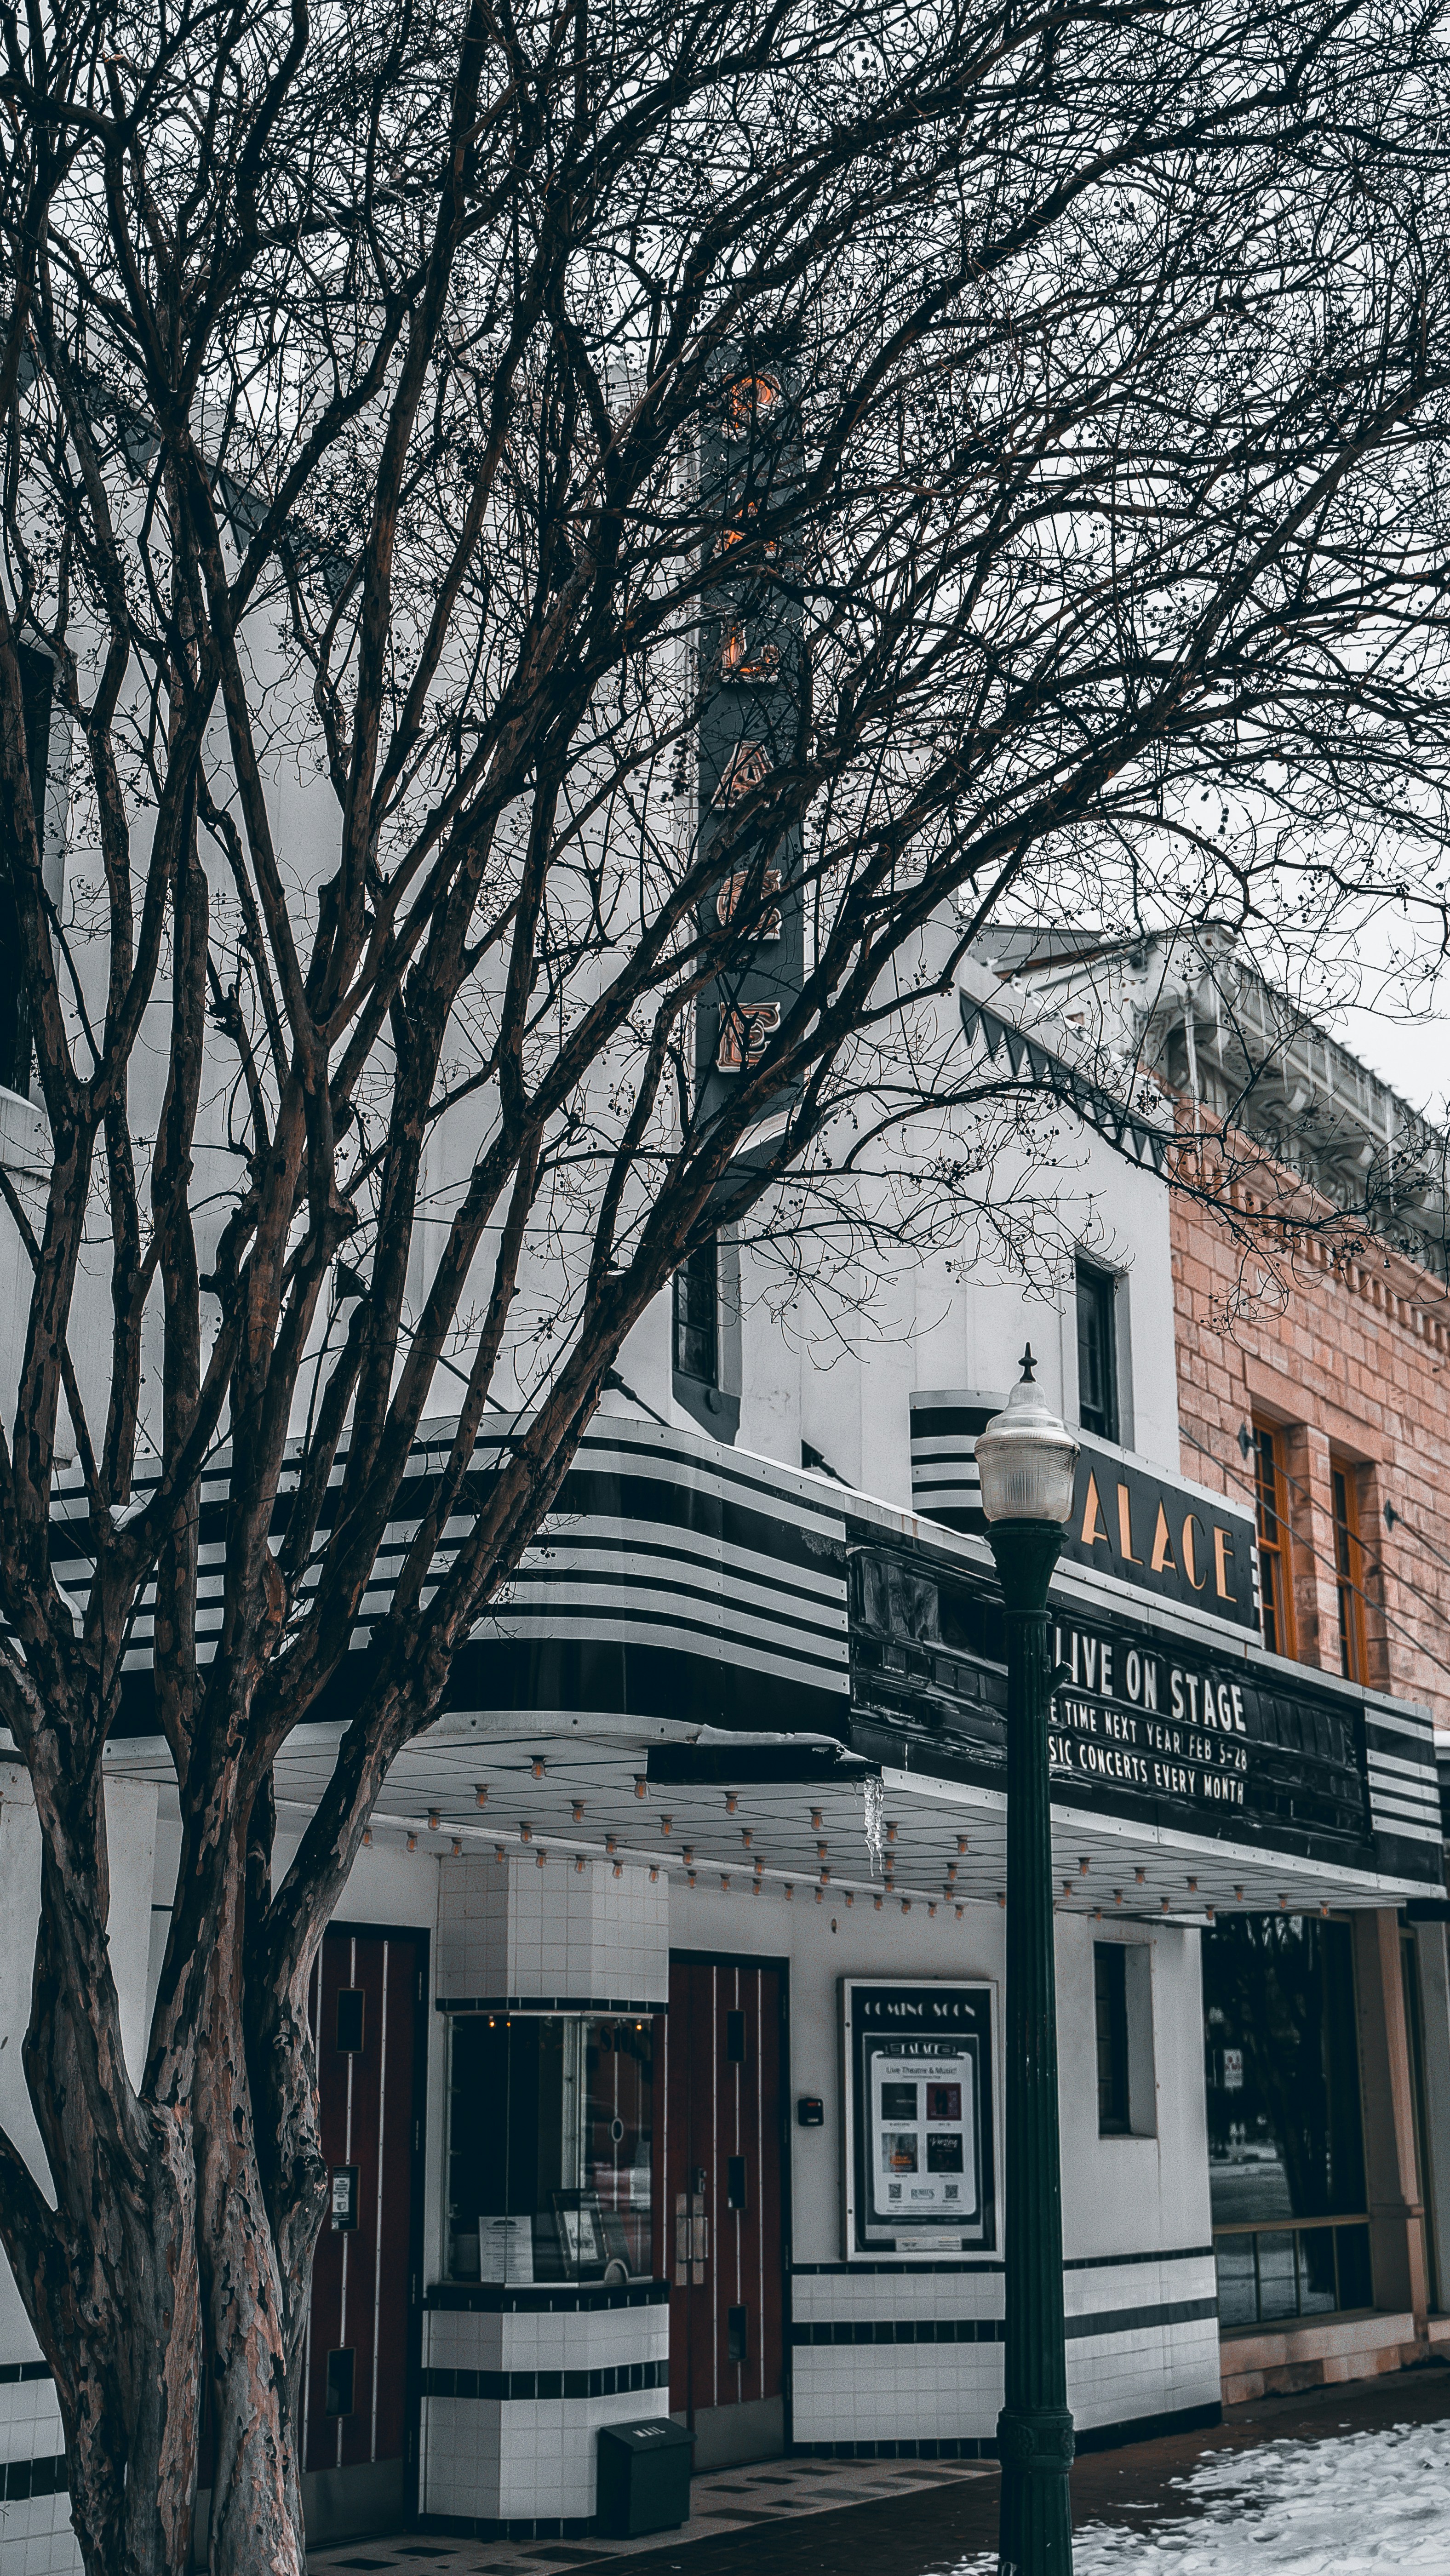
point(539, 1765)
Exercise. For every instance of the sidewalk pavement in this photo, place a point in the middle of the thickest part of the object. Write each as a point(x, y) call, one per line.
point(812, 2517)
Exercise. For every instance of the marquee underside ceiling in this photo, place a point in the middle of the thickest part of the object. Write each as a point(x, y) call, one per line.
point(942, 1844)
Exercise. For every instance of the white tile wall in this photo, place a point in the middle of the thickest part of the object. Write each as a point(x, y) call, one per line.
point(925, 2392)
point(896, 2392)
point(520, 2459)
point(512, 1928)
point(29, 2420)
point(1109, 2286)
point(855, 2297)
point(36, 2539)
point(523, 2460)
point(1156, 2370)
point(605, 2340)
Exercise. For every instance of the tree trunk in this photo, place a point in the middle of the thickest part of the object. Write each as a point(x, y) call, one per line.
point(180, 2233)
point(260, 2203)
point(113, 2294)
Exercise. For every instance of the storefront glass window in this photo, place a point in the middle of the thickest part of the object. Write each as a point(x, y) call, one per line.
point(1285, 2144)
point(549, 2147)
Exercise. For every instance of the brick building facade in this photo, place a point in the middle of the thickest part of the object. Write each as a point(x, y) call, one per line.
point(1311, 1320)
point(1326, 1399)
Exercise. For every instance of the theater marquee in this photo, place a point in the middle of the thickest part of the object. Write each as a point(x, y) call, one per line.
point(1218, 1743)
point(1151, 1530)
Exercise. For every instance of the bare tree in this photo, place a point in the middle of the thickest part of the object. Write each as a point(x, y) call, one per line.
point(574, 549)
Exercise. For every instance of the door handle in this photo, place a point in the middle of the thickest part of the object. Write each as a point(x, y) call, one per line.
point(692, 2238)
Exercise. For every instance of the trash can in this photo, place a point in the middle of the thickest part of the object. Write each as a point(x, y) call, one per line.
point(644, 2477)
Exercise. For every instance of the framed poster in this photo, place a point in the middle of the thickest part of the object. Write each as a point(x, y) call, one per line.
point(921, 2171)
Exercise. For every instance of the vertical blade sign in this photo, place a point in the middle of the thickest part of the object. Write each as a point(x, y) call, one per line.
point(749, 709)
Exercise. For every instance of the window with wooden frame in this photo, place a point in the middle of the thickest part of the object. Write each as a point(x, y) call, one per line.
point(1348, 1568)
point(1276, 1580)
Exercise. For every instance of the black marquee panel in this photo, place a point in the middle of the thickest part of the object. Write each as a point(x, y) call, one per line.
point(678, 1580)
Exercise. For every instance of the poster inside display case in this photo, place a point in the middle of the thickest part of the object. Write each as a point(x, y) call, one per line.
point(920, 2165)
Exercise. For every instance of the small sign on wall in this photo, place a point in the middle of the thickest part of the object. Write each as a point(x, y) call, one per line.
point(920, 2168)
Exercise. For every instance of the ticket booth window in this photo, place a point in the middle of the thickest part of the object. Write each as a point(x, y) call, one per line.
point(550, 2123)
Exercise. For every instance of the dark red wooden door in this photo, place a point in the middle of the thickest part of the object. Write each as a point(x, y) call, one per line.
point(721, 2158)
point(365, 1998)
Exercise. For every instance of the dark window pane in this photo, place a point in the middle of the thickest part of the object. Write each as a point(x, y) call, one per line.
point(1237, 2296)
point(735, 2338)
point(1266, 1473)
point(735, 2184)
point(1278, 2295)
point(1269, 1590)
point(1284, 2134)
point(350, 2020)
point(543, 2111)
point(1347, 1562)
point(1110, 1998)
point(735, 2038)
point(1352, 2252)
point(1273, 1527)
point(697, 1315)
point(340, 2369)
point(1097, 1351)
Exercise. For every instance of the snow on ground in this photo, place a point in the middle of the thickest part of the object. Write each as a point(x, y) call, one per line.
point(1331, 2508)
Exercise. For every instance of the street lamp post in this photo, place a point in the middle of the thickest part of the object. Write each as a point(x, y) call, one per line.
point(1026, 1458)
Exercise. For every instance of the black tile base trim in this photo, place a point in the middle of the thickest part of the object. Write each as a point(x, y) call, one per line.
point(1149, 2254)
point(22, 2480)
point(521, 2004)
point(1150, 2428)
point(1104, 2321)
point(848, 2271)
point(480, 2526)
point(1099, 2437)
point(1113, 2321)
point(11, 2372)
point(902, 2330)
point(624, 2380)
point(987, 2263)
point(543, 2298)
point(953, 2447)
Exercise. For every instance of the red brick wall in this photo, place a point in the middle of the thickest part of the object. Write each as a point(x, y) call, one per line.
point(1347, 1353)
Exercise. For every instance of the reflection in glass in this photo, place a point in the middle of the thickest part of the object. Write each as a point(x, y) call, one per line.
point(549, 2146)
point(1284, 2136)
